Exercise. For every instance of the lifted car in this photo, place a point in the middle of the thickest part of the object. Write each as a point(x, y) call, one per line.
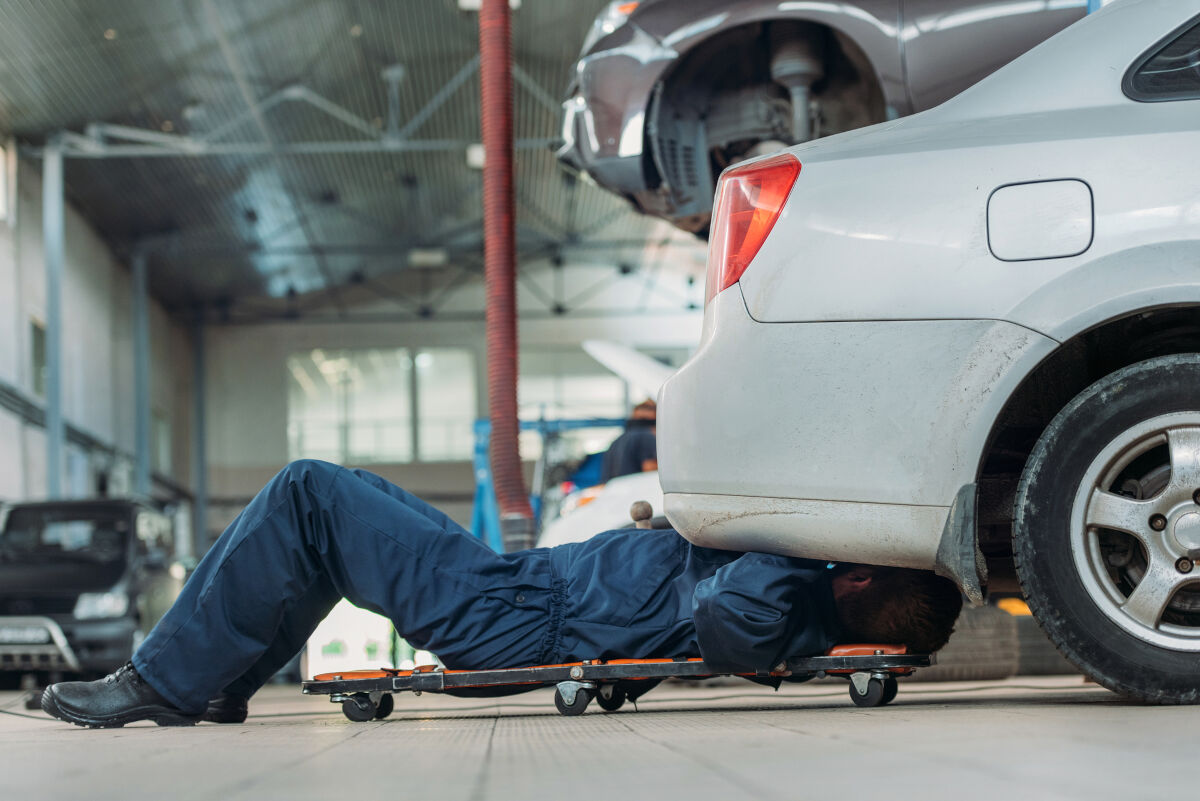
point(971, 338)
point(667, 93)
point(81, 582)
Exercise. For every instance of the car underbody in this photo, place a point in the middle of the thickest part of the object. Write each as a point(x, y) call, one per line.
point(718, 107)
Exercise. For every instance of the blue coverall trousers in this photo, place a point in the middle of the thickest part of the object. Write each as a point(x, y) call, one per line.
point(315, 534)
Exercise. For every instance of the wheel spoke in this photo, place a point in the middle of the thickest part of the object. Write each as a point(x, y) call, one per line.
point(1106, 510)
point(1184, 445)
point(1152, 593)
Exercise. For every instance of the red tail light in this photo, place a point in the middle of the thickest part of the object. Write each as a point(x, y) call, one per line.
point(749, 200)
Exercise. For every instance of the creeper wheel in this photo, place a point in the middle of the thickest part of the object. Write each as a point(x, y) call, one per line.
point(386, 704)
point(359, 708)
point(583, 697)
point(873, 696)
point(614, 701)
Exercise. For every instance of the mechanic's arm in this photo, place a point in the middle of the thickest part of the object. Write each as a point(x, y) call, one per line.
point(758, 607)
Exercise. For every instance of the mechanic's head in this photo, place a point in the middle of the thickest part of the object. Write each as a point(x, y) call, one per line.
point(895, 605)
point(646, 410)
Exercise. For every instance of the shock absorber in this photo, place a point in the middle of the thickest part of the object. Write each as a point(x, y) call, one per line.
point(797, 62)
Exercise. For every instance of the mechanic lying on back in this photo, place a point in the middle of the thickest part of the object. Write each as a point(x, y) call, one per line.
point(318, 532)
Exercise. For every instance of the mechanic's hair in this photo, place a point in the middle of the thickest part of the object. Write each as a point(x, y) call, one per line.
point(900, 606)
point(646, 410)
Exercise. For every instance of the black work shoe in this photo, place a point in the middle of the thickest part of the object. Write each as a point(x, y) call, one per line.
point(118, 698)
point(226, 708)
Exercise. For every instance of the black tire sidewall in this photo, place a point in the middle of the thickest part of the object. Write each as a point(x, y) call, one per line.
point(1041, 530)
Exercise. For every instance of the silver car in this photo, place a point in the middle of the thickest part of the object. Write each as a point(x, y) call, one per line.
point(667, 93)
point(969, 340)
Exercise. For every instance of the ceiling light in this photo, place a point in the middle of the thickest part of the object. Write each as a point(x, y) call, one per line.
point(475, 156)
point(356, 30)
point(110, 34)
point(428, 257)
point(475, 5)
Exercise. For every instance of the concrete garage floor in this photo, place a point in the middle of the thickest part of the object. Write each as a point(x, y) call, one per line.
point(1043, 738)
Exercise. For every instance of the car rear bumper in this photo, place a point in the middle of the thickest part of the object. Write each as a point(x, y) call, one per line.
point(876, 533)
point(845, 440)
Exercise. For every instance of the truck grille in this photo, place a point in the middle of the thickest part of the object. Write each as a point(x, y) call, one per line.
point(34, 659)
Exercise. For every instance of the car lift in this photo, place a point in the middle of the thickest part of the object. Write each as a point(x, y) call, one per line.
point(367, 694)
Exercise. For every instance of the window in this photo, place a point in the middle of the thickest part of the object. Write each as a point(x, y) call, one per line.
point(351, 407)
point(1171, 70)
point(155, 532)
point(357, 406)
point(37, 356)
point(446, 404)
point(568, 384)
point(160, 443)
point(4, 168)
point(562, 384)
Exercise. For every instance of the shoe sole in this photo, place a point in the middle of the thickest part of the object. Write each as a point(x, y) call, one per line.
point(160, 716)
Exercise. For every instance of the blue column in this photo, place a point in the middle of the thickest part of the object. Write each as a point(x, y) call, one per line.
point(52, 245)
point(199, 452)
point(1094, 5)
point(141, 375)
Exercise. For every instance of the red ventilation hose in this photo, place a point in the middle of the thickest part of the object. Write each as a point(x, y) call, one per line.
point(499, 252)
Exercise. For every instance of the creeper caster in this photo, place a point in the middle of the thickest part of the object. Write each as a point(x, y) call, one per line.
point(359, 708)
point(387, 702)
point(572, 697)
point(614, 700)
point(867, 690)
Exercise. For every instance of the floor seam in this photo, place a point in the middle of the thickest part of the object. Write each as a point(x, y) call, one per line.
point(477, 792)
point(251, 781)
point(732, 778)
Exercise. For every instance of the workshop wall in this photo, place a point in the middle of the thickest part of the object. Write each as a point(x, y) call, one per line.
point(97, 356)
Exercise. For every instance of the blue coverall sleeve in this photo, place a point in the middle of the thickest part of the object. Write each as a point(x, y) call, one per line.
point(759, 609)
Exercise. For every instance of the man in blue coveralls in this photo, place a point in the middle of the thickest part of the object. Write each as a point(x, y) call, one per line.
point(318, 532)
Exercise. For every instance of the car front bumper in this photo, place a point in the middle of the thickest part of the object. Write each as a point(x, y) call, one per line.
point(604, 115)
point(846, 440)
point(62, 643)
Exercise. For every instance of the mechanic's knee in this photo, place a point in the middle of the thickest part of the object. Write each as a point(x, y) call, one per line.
point(366, 475)
point(312, 473)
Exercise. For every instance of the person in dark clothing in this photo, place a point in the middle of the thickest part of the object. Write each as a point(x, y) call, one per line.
point(318, 532)
point(636, 449)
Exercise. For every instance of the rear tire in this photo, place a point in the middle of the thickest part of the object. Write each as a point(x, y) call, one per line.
point(1038, 655)
point(1106, 510)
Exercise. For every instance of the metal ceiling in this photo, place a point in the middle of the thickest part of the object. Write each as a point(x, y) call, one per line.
point(278, 228)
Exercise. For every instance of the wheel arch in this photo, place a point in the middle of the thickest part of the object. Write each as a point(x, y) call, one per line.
point(880, 48)
point(856, 87)
point(1082, 359)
